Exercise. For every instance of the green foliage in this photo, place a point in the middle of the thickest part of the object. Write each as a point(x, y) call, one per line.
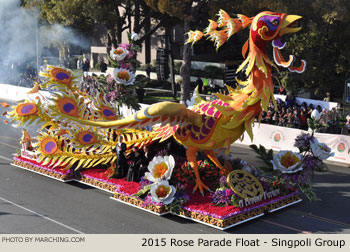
point(98, 65)
point(315, 124)
point(308, 192)
point(198, 73)
point(126, 92)
point(141, 81)
point(144, 67)
point(322, 42)
point(175, 207)
point(177, 66)
point(143, 192)
point(213, 72)
point(265, 156)
point(73, 62)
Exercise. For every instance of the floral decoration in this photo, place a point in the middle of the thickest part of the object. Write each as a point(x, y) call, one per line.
point(124, 76)
point(163, 192)
point(302, 142)
point(287, 162)
point(119, 53)
point(320, 150)
point(224, 196)
point(160, 168)
point(183, 172)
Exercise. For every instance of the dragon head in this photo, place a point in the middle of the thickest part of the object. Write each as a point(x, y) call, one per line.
point(254, 93)
point(268, 26)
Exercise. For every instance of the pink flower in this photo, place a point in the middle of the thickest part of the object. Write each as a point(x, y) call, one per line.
point(228, 192)
point(125, 65)
point(109, 78)
point(130, 55)
point(125, 46)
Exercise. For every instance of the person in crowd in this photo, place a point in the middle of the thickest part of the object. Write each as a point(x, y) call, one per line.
point(296, 116)
point(212, 85)
point(296, 119)
point(148, 71)
point(275, 119)
point(122, 164)
point(347, 125)
point(281, 122)
point(290, 100)
point(79, 64)
point(103, 66)
point(136, 158)
point(199, 84)
point(282, 91)
point(205, 86)
point(86, 67)
point(303, 121)
point(328, 97)
point(304, 105)
point(146, 158)
point(334, 121)
point(324, 121)
point(290, 122)
point(309, 110)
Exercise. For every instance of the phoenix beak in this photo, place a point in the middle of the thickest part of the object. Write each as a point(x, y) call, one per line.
point(289, 24)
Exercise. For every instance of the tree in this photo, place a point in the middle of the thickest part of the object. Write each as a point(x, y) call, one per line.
point(189, 12)
point(115, 15)
point(322, 42)
point(82, 15)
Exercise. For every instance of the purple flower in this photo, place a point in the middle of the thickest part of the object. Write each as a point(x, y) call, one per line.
point(144, 182)
point(223, 181)
point(125, 46)
point(228, 193)
point(302, 142)
point(162, 153)
point(109, 79)
point(148, 201)
point(130, 55)
point(265, 184)
point(222, 197)
point(125, 65)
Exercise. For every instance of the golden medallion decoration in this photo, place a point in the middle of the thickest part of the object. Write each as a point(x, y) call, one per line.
point(244, 184)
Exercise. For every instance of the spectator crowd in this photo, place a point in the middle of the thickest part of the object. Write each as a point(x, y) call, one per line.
point(18, 73)
point(291, 114)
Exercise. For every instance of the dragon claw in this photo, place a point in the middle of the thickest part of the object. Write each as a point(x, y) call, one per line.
point(201, 186)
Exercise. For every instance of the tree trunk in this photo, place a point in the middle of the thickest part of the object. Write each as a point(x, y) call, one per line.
point(137, 16)
point(112, 37)
point(185, 70)
point(63, 53)
point(147, 28)
point(171, 60)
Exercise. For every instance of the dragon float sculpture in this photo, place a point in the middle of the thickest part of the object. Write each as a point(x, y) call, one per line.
point(79, 129)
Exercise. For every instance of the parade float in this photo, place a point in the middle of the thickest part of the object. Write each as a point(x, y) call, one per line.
point(78, 132)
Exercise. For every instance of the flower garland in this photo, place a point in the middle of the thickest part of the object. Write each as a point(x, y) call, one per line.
point(289, 170)
point(183, 173)
point(160, 170)
point(120, 85)
point(60, 170)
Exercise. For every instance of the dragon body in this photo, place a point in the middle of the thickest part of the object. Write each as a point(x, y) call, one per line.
point(207, 125)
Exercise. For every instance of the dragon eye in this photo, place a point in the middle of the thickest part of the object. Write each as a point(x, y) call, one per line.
point(275, 22)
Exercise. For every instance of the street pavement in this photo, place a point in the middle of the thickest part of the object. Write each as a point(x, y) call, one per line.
point(34, 204)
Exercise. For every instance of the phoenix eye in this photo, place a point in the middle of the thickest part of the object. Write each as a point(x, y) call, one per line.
point(275, 22)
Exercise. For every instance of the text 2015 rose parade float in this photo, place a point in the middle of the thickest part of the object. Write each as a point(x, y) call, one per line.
point(78, 134)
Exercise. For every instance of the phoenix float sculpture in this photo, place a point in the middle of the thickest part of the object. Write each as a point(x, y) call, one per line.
point(78, 129)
